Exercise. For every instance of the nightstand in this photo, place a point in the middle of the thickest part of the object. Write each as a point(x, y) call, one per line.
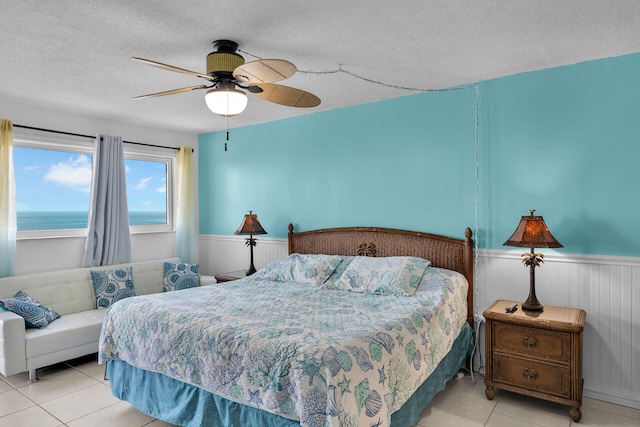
point(537, 354)
point(229, 277)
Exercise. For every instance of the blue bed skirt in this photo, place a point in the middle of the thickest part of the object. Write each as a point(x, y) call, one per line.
point(182, 404)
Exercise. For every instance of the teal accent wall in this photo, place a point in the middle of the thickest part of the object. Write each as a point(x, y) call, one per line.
point(566, 142)
point(563, 141)
point(403, 163)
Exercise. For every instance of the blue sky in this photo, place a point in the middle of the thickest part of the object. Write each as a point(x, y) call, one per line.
point(61, 181)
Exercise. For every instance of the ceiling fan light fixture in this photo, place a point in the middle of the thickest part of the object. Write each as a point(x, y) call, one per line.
point(225, 100)
point(227, 72)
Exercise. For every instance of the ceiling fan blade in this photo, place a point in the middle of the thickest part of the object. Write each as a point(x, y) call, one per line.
point(172, 68)
point(264, 71)
point(285, 95)
point(171, 92)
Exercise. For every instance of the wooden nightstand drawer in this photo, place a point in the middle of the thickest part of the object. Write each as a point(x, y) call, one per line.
point(537, 376)
point(532, 342)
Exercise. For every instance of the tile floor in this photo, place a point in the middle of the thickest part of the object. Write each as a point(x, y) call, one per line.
point(75, 394)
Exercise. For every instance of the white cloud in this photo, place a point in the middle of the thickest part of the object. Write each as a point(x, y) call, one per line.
point(162, 189)
point(142, 184)
point(75, 173)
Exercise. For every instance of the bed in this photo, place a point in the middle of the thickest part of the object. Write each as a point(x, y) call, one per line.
point(358, 326)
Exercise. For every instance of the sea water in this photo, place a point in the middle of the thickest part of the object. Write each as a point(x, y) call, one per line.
point(41, 220)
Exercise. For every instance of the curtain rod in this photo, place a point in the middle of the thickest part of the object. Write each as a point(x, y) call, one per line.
point(90, 136)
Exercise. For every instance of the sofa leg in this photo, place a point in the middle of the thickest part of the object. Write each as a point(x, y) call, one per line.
point(32, 376)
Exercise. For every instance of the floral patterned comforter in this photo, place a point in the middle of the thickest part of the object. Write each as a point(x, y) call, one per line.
point(323, 357)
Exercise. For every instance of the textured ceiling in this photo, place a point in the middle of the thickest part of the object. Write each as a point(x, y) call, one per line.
point(75, 55)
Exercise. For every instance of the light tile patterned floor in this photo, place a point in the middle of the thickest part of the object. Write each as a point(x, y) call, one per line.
point(75, 394)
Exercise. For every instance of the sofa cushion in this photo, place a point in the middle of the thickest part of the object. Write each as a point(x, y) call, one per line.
point(180, 276)
point(112, 285)
point(71, 330)
point(34, 314)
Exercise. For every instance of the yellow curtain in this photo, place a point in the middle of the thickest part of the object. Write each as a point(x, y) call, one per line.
point(7, 200)
point(186, 244)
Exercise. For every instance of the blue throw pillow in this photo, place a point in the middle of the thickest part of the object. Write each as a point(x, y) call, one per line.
point(180, 276)
point(35, 314)
point(112, 285)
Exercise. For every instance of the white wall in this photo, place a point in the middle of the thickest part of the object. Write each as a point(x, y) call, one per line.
point(35, 255)
point(60, 253)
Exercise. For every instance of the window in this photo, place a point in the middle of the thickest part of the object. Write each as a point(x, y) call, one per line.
point(53, 185)
point(148, 195)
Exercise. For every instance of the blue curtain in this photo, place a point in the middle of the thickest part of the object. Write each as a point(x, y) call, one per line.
point(7, 200)
point(108, 239)
point(186, 244)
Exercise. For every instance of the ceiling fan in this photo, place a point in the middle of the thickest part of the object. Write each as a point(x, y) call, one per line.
point(227, 73)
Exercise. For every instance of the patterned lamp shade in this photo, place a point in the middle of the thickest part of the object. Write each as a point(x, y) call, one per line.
point(250, 225)
point(532, 232)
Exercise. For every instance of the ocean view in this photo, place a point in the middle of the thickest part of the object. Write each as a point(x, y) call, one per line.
point(41, 220)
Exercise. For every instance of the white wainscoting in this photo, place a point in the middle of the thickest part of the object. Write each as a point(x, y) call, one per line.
point(606, 287)
point(220, 254)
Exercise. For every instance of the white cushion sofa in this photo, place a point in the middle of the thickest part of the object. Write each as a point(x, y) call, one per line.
point(76, 332)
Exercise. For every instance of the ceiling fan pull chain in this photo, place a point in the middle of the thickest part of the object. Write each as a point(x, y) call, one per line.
point(226, 128)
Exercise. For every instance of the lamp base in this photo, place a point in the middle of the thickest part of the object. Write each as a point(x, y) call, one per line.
point(532, 304)
point(251, 242)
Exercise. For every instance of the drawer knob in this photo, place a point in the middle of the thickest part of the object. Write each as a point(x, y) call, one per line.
point(530, 342)
point(530, 374)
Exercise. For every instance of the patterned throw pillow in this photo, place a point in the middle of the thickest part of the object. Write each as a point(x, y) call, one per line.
point(333, 281)
point(398, 276)
point(180, 276)
point(35, 314)
point(298, 268)
point(112, 285)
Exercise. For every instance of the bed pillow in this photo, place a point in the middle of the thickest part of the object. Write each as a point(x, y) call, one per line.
point(334, 280)
point(112, 285)
point(308, 269)
point(180, 276)
point(34, 314)
point(398, 276)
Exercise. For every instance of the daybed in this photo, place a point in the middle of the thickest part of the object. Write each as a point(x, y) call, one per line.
point(323, 337)
point(70, 293)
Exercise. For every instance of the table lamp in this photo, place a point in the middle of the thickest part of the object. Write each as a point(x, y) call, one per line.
point(532, 233)
point(250, 226)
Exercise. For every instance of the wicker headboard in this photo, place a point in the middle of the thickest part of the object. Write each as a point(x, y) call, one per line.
point(444, 252)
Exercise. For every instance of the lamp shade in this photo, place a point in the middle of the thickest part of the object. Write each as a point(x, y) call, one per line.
point(225, 100)
point(250, 225)
point(532, 232)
